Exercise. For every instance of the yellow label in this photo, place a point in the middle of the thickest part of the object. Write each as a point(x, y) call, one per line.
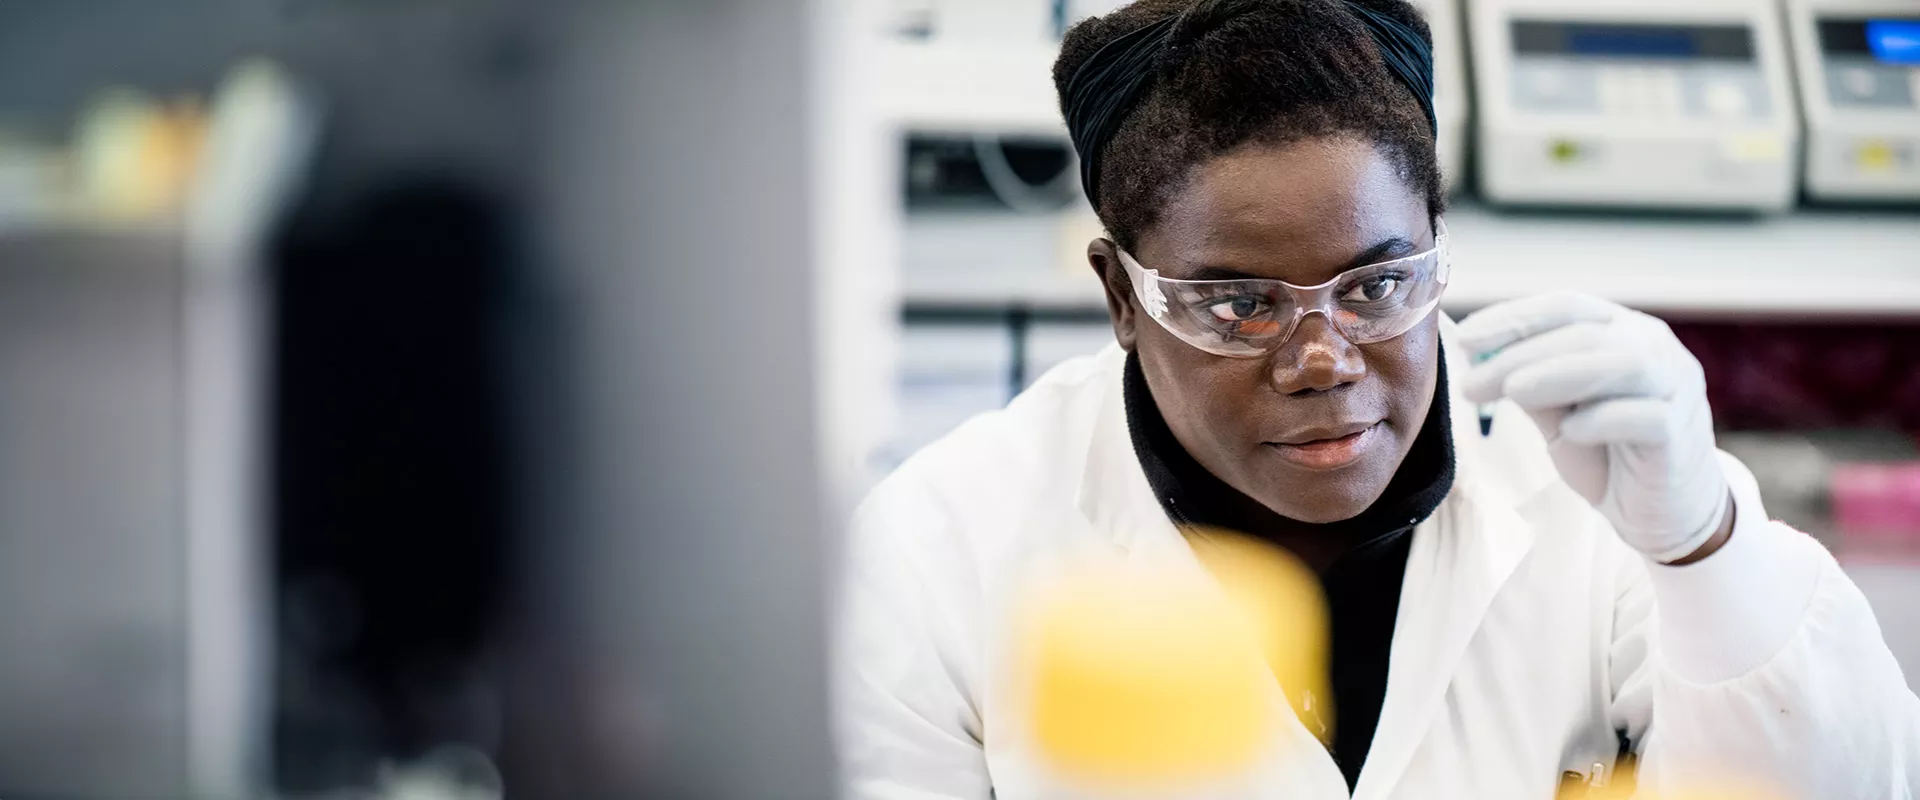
point(1760, 147)
point(1565, 151)
point(1874, 155)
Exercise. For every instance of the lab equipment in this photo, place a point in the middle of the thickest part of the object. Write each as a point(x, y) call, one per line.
point(1247, 318)
point(1450, 97)
point(982, 171)
point(1859, 70)
point(1634, 103)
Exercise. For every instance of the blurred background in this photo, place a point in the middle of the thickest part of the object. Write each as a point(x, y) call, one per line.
point(383, 411)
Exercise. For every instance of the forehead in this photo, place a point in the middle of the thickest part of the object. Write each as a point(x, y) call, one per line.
point(1299, 212)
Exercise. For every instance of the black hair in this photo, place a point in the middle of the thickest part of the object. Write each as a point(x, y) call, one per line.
point(1234, 72)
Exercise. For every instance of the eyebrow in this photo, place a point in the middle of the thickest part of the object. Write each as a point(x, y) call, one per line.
point(1383, 250)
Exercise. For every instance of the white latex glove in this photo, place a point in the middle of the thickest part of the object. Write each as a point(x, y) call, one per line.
point(1623, 406)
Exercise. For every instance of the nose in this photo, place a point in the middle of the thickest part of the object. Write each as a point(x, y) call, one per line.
point(1316, 359)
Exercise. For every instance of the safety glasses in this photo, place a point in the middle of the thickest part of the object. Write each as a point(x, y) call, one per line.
point(1254, 317)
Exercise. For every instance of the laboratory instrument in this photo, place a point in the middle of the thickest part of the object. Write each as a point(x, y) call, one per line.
point(1859, 68)
point(1634, 103)
point(1451, 101)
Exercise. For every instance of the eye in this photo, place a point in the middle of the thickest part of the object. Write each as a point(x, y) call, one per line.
point(1372, 290)
point(1239, 308)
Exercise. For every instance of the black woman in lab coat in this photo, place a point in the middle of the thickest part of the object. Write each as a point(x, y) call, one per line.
point(1505, 607)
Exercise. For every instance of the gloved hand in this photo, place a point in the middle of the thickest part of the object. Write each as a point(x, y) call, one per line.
point(1623, 406)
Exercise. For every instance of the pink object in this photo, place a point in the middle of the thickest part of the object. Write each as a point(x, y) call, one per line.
point(1877, 500)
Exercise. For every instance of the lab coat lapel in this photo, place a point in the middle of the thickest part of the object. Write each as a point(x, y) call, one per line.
point(1460, 559)
point(1114, 496)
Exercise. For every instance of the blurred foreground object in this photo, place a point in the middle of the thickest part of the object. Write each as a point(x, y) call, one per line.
point(131, 376)
point(1878, 505)
point(1283, 600)
point(1150, 679)
point(133, 156)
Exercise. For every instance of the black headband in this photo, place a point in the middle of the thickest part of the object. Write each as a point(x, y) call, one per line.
point(1111, 82)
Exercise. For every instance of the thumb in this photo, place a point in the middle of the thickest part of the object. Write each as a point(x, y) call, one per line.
point(1548, 420)
point(1582, 466)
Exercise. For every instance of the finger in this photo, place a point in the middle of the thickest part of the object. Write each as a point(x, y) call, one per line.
point(1589, 377)
point(1487, 382)
point(1502, 324)
point(1547, 420)
point(1624, 420)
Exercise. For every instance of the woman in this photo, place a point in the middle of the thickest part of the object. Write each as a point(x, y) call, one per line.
point(1266, 171)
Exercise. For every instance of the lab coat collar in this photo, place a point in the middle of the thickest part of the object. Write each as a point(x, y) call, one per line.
point(1461, 556)
point(1114, 494)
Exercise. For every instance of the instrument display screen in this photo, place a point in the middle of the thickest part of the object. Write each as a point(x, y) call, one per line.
point(1889, 41)
point(1731, 42)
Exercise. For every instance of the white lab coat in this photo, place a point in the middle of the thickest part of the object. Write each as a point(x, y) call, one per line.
point(1527, 635)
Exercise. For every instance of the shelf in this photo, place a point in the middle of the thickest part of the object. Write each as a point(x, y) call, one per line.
point(1807, 263)
point(961, 88)
point(1810, 263)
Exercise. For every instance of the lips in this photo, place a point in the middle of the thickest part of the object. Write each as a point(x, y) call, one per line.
point(1324, 434)
point(1328, 448)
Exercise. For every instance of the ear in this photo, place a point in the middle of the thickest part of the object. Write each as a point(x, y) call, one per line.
point(1104, 256)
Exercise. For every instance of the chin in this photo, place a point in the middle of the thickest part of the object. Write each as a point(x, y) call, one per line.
point(1321, 514)
point(1330, 498)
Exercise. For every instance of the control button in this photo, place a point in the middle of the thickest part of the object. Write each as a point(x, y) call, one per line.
point(1726, 100)
point(1859, 82)
point(1615, 94)
point(1667, 94)
point(1565, 151)
point(1753, 148)
point(1635, 83)
point(1547, 83)
point(1644, 82)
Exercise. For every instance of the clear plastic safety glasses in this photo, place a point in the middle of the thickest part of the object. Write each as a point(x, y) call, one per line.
point(1253, 317)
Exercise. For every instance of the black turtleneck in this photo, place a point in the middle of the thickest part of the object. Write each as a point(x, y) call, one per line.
point(1361, 581)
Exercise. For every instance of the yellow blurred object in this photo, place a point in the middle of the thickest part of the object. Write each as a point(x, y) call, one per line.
point(1754, 148)
point(1282, 598)
point(133, 156)
point(173, 151)
point(1143, 677)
